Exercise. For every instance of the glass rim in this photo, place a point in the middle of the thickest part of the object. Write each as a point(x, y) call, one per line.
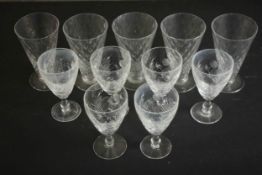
point(86, 14)
point(213, 50)
point(157, 48)
point(143, 86)
point(35, 13)
point(183, 39)
point(152, 33)
point(235, 14)
point(99, 112)
point(92, 57)
point(58, 49)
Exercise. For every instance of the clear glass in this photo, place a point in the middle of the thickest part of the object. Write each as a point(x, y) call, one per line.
point(155, 118)
point(183, 32)
point(212, 70)
point(161, 67)
point(234, 33)
point(58, 68)
point(85, 33)
point(111, 65)
point(135, 31)
point(37, 32)
point(107, 118)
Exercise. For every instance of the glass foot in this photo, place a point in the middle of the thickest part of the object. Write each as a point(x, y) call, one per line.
point(37, 83)
point(201, 117)
point(234, 87)
point(133, 86)
point(186, 86)
point(155, 153)
point(81, 84)
point(109, 152)
point(66, 116)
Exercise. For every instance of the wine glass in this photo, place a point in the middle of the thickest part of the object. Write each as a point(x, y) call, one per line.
point(212, 69)
point(155, 118)
point(85, 33)
point(183, 32)
point(107, 118)
point(135, 31)
point(58, 68)
point(234, 33)
point(37, 32)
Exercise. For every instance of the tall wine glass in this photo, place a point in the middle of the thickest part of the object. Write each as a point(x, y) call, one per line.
point(85, 33)
point(107, 118)
point(183, 32)
point(135, 31)
point(234, 33)
point(58, 68)
point(37, 32)
point(155, 118)
point(212, 70)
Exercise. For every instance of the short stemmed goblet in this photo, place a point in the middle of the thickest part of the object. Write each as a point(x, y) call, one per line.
point(234, 33)
point(85, 33)
point(106, 104)
point(157, 102)
point(58, 68)
point(135, 31)
point(212, 69)
point(183, 32)
point(37, 32)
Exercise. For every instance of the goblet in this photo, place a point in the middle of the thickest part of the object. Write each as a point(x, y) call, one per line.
point(155, 118)
point(234, 33)
point(135, 31)
point(162, 67)
point(212, 70)
point(59, 67)
point(183, 32)
point(37, 32)
point(107, 118)
point(85, 33)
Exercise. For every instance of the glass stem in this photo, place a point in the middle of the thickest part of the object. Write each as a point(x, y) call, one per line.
point(160, 100)
point(109, 141)
point(183, 78)
point(155, 142)
point(65, 106)
point(207, 108)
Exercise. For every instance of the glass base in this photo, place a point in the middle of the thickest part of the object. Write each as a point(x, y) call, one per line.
point(37, 83)
point(155, 153)
point(81, 84)
point(68, 116)
point(203, 118)
point(234, 87)
point(187, 85)
point(109, 152)
point(133, 86)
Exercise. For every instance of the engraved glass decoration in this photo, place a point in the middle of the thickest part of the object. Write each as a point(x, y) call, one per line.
point(212, 70)
point(183, 32)
point(58, 68)
point(85, 33)
point(37, 32)
point(106, 104)
point(135, 31)
point(234, 33)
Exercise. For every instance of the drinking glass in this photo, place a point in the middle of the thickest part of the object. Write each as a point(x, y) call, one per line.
point(107, 118)
point(37, 32)
point(212, 69)
point(234, 33)
point(155, 118)
point(135, 31)
point(111, 65)
point(85, 33)
point(183, 32)
point(58, 68)
point(162, 67)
